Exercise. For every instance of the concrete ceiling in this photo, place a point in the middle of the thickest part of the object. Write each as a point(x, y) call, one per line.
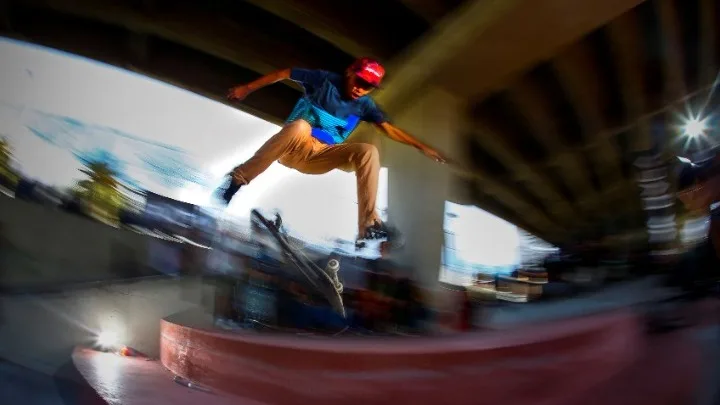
point(563, 92)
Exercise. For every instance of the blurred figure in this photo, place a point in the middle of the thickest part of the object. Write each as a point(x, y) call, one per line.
point(698, 271)
point(699, 190)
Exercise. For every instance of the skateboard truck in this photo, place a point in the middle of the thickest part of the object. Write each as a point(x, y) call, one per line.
point(278, 220)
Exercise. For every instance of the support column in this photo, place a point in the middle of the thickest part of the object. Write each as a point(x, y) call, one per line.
point(418, 186)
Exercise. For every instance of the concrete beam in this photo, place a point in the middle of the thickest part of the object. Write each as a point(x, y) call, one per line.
point(138, 48)
point(6, 14)
point(504, 192)
point(149, 6)
point(577, 73)
point(708, 41)
point(634, 122)
point(531, 104)
point(528, 33)
point(675, 85)
point(538, 184)
point(626, 47)
point(170, 63)
point(704, 92)
point(431, 10)
point(326, 19)
point(420, 63)
point(213, 34)
point(598, 206)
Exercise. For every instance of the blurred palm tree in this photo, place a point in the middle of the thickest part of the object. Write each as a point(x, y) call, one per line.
point(4, 151)
point(100, 192)
point(8, 176)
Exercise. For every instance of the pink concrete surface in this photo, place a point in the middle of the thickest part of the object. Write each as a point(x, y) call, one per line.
point(134, 381)
point(553, 363)
point(666, 374)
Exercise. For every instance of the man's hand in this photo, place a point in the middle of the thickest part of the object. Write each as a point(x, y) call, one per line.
point(239, 92)
point(434, 155)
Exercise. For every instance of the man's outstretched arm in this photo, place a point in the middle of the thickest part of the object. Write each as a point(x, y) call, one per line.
point(240, 92)
point(398, 135)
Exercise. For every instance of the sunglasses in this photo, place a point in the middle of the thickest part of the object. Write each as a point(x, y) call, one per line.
point(363, 84)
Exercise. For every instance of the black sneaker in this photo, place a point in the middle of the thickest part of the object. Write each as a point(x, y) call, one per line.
point(381, 231)
point(378, 230)
point(227, 191)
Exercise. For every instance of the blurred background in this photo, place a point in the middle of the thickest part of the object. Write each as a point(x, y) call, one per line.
point(583, 140)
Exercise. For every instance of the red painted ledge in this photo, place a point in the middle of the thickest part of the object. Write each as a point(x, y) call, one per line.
point(554, 363)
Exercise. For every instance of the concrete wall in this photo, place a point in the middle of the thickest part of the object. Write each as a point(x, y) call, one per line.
point(40, 331)
point(42, 246)
point(45, 249)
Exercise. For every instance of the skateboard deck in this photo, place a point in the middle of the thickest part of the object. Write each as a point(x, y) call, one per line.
point(315, 275)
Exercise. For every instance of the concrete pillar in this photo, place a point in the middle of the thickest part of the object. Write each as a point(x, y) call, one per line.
point(418, 186)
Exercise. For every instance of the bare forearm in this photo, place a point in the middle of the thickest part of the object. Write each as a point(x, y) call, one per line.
point(269, 79)
point(398, 135)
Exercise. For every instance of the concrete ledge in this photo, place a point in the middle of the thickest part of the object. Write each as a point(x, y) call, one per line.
point(555, 363)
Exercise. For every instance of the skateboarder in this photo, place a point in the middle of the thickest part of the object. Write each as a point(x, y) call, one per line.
point(312, 140)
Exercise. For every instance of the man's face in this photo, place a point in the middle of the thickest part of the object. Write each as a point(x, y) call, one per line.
point(357, 87)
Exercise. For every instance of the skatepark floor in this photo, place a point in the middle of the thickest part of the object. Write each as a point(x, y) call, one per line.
point(48, 376)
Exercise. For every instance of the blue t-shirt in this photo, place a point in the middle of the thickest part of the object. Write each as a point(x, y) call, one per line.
point(332, 116)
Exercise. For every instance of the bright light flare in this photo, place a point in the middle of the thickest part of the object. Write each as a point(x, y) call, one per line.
point(694, 127)
point(108, 339)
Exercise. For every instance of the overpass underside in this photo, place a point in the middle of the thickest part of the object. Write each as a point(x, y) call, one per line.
point(544, 105)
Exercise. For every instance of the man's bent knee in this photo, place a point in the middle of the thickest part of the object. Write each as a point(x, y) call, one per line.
point(298, 127)
point(368, 151)
point(295, 132)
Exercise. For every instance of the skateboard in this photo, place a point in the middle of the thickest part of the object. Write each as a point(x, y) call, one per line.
point(316, 276)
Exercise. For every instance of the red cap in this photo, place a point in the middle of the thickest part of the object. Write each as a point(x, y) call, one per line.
point(369, 70)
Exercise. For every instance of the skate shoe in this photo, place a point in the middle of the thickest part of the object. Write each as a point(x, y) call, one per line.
point(227, 190)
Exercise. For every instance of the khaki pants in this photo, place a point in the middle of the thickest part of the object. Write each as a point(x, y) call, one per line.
point(296, 148)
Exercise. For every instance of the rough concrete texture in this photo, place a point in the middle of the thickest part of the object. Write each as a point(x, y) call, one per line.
point(43, 246)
